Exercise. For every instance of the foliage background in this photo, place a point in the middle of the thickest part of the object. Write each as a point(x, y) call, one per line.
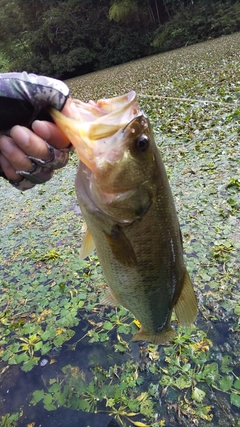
point(64, 38)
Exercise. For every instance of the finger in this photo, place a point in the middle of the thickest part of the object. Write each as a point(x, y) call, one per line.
point(50, 133)
point(30, 143)
point(8, 169)
point(13, 158)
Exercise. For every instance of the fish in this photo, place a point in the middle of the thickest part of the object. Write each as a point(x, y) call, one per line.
point(126, 200)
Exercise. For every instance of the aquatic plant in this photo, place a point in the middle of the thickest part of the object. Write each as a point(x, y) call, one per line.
point(187, 366)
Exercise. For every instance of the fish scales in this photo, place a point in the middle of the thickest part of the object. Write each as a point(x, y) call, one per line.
point(147, 289)
point(126, 200)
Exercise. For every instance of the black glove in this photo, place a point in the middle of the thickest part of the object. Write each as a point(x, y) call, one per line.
point(25, 97)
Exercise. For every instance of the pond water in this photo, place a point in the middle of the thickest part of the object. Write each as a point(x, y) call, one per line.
point(67, 360)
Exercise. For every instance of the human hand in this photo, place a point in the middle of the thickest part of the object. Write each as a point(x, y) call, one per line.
point(25, 157)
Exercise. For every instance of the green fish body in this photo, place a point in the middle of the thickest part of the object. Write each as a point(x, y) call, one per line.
point(126, 201)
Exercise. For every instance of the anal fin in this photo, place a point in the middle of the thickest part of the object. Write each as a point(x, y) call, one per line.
point(186, 305)
point(109, 299)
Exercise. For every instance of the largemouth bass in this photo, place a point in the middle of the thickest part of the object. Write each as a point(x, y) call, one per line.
point(126, 201)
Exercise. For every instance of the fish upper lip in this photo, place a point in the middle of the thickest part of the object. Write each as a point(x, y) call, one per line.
point(134, 118)
point(98, 106)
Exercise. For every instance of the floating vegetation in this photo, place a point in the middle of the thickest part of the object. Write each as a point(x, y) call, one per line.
point(187, 366)
point(49, 298)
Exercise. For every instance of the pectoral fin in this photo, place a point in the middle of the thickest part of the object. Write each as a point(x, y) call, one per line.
point(88, 245)
point(186, 305)
point(121, 247)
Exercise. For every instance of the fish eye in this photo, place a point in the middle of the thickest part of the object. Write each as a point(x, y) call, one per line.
point(142, 143)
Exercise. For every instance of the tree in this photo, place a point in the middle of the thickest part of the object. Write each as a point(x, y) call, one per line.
point(13, 32)
point(138, 11)
point(63, 38)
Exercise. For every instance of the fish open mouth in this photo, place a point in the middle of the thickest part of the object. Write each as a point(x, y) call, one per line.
point(95, 123)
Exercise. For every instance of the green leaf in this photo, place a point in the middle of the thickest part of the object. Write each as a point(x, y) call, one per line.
point(226, 383)
point(38, 345)
point(82, 295)
point(54, 388)
point(26, 367)
point(237, 384)
point(182, 382)
point(38, 395)
point(235, 399)
point(65, 336)
point(226, 363)
point(6, 355)
point(237, 310)
point(186, 367)
point(124, 329)
point(81, 304)
point(61, 399)
point(50, 407)
point(120, 347)
point(12, 361)
point(108, 326)
point(45, 348)
point(103, 337)
point(45, 335)
point(210, 372)
point(47, 399)
point(198, 394)
point(22, 357)
point(84, 405)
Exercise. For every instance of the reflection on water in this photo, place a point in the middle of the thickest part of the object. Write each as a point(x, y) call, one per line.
point(17, 387)
point(83, 358)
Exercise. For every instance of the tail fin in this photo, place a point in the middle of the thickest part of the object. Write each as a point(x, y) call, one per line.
point(156, 338)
